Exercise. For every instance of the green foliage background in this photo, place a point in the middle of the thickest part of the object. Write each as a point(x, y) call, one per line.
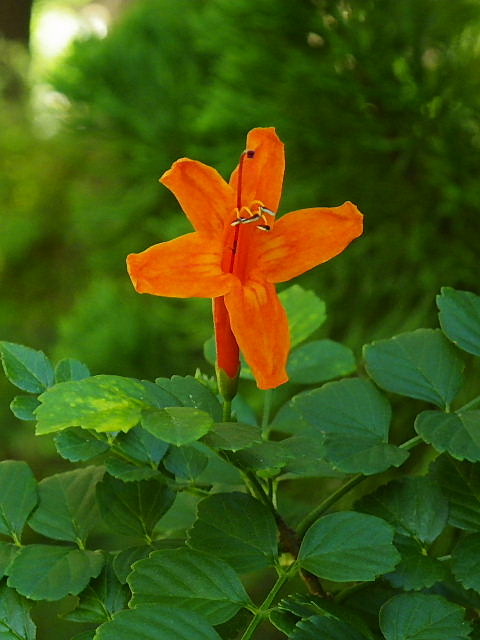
point(376, 100)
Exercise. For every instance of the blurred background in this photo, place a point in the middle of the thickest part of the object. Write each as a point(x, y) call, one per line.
point(376, 100)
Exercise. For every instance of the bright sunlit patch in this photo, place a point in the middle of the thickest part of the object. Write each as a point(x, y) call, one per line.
point(55, 30)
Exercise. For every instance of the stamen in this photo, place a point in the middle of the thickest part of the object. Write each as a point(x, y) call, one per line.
point(267, 210)
point(264, 227)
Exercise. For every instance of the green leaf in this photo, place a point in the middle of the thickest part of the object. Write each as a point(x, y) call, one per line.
point(457, 433)
point(348, 546)
point(133, 508)
point(15, 620)
point(414, 506)
point(177, 425)
point(305, 311)
point(319, 361)
point(307, 455)
point(18, 496)
point(8, 551)
point(67, 507)
point(123, 561)
point(460, 318)
point(23, 407)
point(237, 528)
point(153, 623)
point(318, 627)
point(416, 570)
point(103, 597)
point(141, 445)
point(266, 458)
point(466, 561)
point(77, 444)
point(190, 392)
point(102, 403)
point(127, 471)
point(186, 463)
point(415, 616)
point(86, 635)
point(308, 605)
point(233, 436)
point(460, 483)
point(354, 419)
point(191, 580)
point(420, 364)
point(48, 572)
point(71, 369)
point(26, 368)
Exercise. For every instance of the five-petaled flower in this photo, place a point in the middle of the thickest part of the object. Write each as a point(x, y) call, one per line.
point(238, 252)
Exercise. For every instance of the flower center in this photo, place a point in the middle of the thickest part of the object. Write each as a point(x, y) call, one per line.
point(239, 238)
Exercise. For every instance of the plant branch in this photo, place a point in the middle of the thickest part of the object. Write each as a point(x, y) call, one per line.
point(263, 610)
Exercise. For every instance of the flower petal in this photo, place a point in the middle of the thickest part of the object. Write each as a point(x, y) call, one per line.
point(304, 239)
point(262, 175)
point(187, 267)
point(260, 325)
point(207, 199)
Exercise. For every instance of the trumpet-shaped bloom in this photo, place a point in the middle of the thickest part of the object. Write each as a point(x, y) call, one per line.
point(238, 252)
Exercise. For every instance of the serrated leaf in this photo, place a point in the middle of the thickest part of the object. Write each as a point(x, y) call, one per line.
point(460, 318)
point(305, 311)
point(18, 496)
point(190, 392)
point(238, 529)
point(123, 560)
point(15, 620)
point(103, 597)
point(457, 433)
point(141, 445)
point(186, 463)
point(86, 635)
point(77, 444)
point(48, 572)
point(414, 506)
point(129, 472)
point(419, 364)
point(7, 553)
point(307, 458)
point(466, 561)
point(348, 546)
point(23, 407)
point(267, 458)
point(67, 507)
point(416, 616)
point(190, 580)
point(319, 361)
point(233, 436)
point(71, 369)
point(153, 623)
point(102, 403)
point(460, 483)
point(318, 627)
point(354, 419)
point(133, 508)
point(306, 606)
point(26, 368)
point(416, 570)
point(177, 425)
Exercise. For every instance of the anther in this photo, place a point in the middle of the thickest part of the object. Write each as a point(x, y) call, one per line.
point(264, 227)
point(267, 210)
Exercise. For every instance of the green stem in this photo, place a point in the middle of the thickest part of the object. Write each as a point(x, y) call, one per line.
point(345, 488)
point(267, 406)
point(262, 612)
point(327, 503)
point(470, 404)
point(227, 410)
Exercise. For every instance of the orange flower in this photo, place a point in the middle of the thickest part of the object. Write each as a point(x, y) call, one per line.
point(238, 252)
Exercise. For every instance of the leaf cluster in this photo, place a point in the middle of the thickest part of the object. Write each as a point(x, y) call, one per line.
point(199, 503)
